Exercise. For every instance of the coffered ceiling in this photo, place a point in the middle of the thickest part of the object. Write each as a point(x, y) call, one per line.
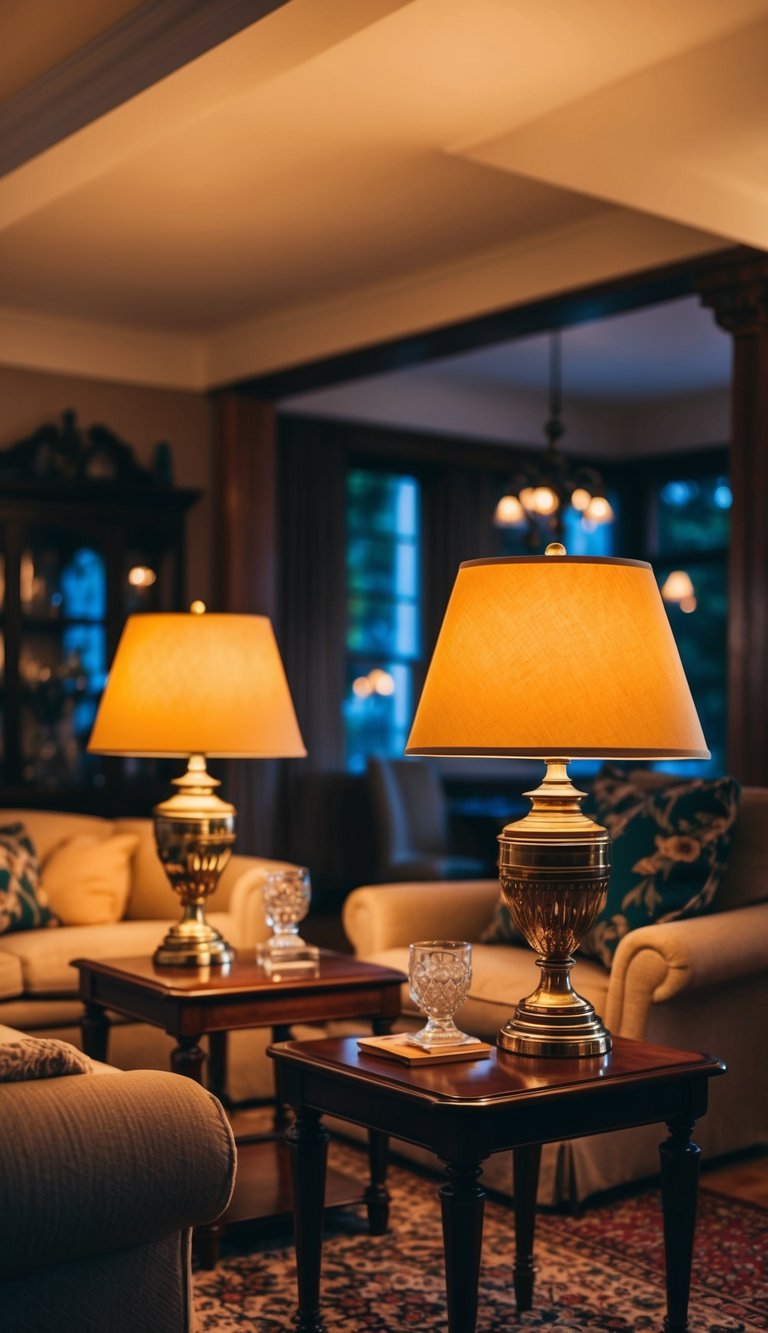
point(344, 171)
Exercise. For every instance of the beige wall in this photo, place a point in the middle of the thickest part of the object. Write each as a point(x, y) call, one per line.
point(141, 417)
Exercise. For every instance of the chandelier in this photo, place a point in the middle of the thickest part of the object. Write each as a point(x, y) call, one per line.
point(542, 489)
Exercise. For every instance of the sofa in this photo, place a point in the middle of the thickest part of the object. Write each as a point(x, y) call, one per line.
point(699, 983)
point(38, 986)
point(102, 1176)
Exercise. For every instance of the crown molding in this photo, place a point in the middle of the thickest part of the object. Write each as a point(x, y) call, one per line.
point(145, 46)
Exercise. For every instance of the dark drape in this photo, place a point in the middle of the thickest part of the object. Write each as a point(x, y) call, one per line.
point(458, 505)
point(312, 615)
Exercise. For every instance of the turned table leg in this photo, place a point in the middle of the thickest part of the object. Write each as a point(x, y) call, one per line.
point(679, 1187)
point(526, 1179)
point(462, 1198)
point(376, 1194)
point(307, 1140)
point(94, 1031)
point(280, 1032)
point(217, 1066)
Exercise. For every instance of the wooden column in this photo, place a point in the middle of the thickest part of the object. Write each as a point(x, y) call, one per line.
point(245, 576)
point(738, 295)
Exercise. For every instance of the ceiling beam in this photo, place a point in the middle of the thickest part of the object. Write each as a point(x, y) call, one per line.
point(631, 291)
point(144, 47)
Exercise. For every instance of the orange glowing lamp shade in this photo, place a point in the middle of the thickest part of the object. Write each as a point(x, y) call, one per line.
point(556, 657)
point(210, 684)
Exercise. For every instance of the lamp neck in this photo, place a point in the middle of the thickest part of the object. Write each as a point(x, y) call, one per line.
point(556, 807)
point(195, 793)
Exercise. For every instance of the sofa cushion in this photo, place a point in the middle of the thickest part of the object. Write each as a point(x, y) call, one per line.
point(48, 828)
point(151, 893)
point(24, 1058)
point(45, 956)
point(11, 980)
point(23, 903)
point(670, 849)
point(87, 879)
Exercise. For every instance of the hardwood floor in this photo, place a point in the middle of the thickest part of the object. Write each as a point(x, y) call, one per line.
point(744, 1178)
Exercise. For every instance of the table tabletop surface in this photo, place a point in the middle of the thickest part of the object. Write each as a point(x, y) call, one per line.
point(335, 971)
point(503, 1077)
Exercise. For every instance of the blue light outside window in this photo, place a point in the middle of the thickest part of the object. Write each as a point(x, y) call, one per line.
point(383, 612)
point(692, 525)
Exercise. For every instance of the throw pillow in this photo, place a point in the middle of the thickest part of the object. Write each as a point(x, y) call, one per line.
point(670, 848)
point(88, 878)
point(40, 1057)
point(23, 903)
point(500, 929)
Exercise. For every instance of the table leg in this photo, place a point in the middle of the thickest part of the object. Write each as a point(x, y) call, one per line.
point(679, 1187)
point(217, 1066)
point(307, 1140)
point(94, 1031)
point(526, 1179)
point(377, 1195)
point(188, 1058)
point(462, 1198)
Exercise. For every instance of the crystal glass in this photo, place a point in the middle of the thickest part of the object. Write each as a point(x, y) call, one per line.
point(439, 974)
point(287, 896)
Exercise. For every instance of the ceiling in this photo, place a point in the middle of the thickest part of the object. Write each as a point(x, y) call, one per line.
point(349, 171)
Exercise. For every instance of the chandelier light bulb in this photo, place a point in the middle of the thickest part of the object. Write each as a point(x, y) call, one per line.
point(526, 498)
point(677, 587)
point(362, 687)
point(509, 512)
point(599, 510)
point(581, 499)
point(381, 681)
point(688, 604)
point(545, 501)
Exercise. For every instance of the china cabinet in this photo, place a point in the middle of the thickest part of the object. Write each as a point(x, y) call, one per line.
point(87, 537)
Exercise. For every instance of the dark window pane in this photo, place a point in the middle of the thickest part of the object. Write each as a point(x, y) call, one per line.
point(377, 723)
point(382, 502)
point(382, 566)
point(376, 626)
point(700, 634)
point(693, 514)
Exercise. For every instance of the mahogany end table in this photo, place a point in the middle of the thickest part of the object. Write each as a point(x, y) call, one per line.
point(465, 1112)
point(189, 1003)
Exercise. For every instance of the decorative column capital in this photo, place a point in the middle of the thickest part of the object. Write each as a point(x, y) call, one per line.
point(738, 296)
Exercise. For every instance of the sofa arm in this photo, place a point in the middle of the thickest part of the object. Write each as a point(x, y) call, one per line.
point(655, 963)
point(94, 1164)
point(382, 916)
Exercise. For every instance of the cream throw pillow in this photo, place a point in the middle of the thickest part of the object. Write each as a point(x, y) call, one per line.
point(88, 879)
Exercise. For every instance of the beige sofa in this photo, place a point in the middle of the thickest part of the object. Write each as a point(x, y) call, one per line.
point(699, 984)
point(38, 987)
point(103, 1176)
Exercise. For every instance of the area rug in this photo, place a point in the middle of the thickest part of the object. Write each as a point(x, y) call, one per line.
point(603, 1271)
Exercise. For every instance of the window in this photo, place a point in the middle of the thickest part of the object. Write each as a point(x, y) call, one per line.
point(383, 612)
point(690, 523)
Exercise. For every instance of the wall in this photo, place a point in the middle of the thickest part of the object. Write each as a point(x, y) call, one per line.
point(141, 417)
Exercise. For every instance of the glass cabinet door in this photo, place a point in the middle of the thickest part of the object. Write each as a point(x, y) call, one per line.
point(63, 649)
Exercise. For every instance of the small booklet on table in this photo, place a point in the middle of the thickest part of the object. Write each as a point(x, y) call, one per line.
point(397, 1047)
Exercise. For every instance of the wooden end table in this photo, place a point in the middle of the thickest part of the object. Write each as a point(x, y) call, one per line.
point(189, 1003)
point(464, 1113)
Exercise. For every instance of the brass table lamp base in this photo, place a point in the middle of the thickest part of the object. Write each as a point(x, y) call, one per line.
point(195, 833)
point(554, 867)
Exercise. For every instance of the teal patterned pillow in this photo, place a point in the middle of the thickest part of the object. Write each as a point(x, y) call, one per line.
point(670, 848)
point(500, 929)
point(23, 903)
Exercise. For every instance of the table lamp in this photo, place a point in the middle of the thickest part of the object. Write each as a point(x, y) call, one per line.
point(556, 657)
point(196, 685)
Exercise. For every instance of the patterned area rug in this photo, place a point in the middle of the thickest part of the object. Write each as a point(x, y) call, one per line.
point(603, 1271)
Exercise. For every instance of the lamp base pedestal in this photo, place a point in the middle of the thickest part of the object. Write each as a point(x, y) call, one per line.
point(554, 866)
point(192, 942)
point(554, 1020)
point(195, 833)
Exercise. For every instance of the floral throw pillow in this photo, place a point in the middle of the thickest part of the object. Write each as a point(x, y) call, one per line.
point(670, 848)
point(23, 904)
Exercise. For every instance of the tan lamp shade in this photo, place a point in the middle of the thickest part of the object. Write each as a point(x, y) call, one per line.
point(208, 684)
point(556, 656)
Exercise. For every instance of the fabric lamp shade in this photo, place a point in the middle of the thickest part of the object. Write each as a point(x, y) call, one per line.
point(556, 656)
point(209, 684)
